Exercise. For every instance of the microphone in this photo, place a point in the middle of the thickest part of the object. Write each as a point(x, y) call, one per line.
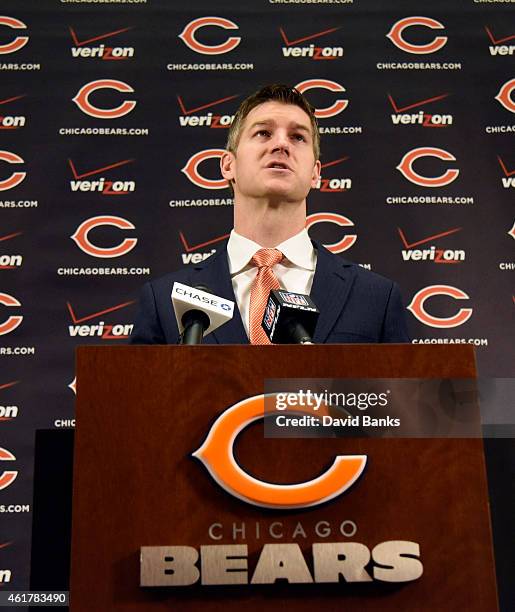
point(198, 311)
point(289, 317)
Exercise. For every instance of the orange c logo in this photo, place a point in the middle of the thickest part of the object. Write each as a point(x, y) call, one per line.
point(504, 95)
point(82, 99)
point(396, 35)
point(19, 41)
point(417, 306)
point(216, 453)
point(81, 238)
point(191, 169)
point(12, 322)
point(346, 242)
point(330, 111)
point(7, 477)
point(16, 177)
point(188, 35)
point(407, 171)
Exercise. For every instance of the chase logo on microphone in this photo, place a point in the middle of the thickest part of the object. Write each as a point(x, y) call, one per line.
point(198, 296)
point(101, 329)
point(83, 47)
point(82, 179)
point(293, 47)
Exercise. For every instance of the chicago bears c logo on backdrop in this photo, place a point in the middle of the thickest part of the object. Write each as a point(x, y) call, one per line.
point(19, 41)
point(192, 172)
point(217, 455)
point(417, 306)
point(16, 177)
point(326, 217)
point(83, 102)
point(8, 476)
point(504, 96)
point(81, 237)
point(188, 35)
point(330, 111)
point(406, 167)
point(12, 322)
point(396, 35)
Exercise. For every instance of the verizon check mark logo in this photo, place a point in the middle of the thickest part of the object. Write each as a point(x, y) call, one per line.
point(85, 50)
point(334, 185)
point(401, 115)
point(102, 185)
point(194, 118)
point(292, 49)
point(498, 46)
point(10, 262)
point(508, 180)
point(11, 122)
point(430, 252)
point(101, 329)
point(191, 254)
point(8, 413)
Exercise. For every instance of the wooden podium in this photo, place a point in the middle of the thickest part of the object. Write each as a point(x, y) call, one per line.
point(143, 410)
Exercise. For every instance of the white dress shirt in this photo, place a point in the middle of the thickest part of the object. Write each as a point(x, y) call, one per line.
point(295, 272)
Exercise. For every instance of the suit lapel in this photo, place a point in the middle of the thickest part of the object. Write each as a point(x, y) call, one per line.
point(331, 286)
point(214, 274)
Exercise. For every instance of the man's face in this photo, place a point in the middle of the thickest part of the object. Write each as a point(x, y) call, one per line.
point(275, 155)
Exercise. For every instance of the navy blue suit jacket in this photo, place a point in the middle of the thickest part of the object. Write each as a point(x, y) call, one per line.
point(355, 305)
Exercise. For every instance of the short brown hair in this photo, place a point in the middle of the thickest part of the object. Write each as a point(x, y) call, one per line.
point(272, 93)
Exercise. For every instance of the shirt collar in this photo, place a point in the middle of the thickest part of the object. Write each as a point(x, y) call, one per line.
point(298, 250)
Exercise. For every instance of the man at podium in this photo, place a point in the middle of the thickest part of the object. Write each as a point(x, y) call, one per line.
point(271, 163)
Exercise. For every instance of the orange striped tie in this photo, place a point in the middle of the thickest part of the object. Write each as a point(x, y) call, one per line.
point(264, 282)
